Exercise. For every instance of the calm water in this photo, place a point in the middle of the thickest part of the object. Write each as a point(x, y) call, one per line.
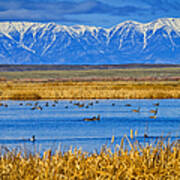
point(64, 125)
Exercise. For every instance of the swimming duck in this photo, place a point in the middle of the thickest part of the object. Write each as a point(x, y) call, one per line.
point(90, 104)
point(81, 105)
point(152, 117)
point(127, 105)
point(156, 104)
point(136, 110)
point(32, 139)
point(39, 108)
point(94, 118)
point(154, 111)
point(145, 136)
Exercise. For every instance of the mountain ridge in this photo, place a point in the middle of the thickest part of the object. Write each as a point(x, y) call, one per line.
point(127, 42)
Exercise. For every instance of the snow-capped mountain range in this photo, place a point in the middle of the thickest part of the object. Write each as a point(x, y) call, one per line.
point(128, 42)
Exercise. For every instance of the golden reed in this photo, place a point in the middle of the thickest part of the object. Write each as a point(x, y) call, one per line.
point(161, 161)
point(90, 90)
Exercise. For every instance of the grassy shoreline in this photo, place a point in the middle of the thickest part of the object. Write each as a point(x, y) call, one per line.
point(139, 83)
point(90, 90)
point(161, 161)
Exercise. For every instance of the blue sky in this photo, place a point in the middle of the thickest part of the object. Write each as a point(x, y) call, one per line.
point(105, 13)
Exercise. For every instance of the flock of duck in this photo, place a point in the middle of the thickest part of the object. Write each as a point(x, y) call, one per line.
point(37, 106)
point(154, 111)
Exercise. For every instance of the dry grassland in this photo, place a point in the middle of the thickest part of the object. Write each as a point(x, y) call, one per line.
point(90, 90)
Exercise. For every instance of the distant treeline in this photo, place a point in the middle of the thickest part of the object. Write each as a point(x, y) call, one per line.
point(9, 68)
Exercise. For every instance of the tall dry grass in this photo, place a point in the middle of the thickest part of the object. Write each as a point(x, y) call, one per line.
point(90, 90)
point(149, 162)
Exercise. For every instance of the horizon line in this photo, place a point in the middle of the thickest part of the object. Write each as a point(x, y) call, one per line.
point(53, 22)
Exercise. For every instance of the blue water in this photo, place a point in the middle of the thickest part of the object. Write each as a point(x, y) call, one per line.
point(62, 127)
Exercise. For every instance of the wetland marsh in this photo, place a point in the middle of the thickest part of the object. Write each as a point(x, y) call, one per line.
point(45, 117)
point(62, 122)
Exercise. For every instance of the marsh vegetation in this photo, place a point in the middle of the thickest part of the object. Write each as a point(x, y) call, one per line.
point(90, 90)
point(139, 83)
point(139, 161)
point(158, 161)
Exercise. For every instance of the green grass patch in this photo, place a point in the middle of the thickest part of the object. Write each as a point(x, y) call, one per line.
point(112, 73)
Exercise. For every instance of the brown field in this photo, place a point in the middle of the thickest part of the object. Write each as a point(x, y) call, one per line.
point(160, 161)
point(139, 83)
point(90, 90)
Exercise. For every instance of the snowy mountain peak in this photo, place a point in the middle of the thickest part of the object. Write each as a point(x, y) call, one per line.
point(22, 27)
point(129, 41)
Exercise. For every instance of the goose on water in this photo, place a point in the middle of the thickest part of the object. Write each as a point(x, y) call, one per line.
point(128, 105)
point(94, 118)
point(153, 117)
point(156, 104)
point(136, 110)
point(154, 111)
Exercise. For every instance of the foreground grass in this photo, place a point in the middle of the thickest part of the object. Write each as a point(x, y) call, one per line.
point(90, 90)
point(148, 162)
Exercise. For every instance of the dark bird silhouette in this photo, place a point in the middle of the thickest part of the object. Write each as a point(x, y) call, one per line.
point(156, 104)
point(32, 139)
point(90, 104)
point(113, 104)
point(81, 105)
point(94, 118)
point(145, 136)
point(76, 104)
point(37, 107)
point(128, 105)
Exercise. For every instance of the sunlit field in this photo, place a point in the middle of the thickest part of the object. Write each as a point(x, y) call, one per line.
point(139, 83)
point(90, 90)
